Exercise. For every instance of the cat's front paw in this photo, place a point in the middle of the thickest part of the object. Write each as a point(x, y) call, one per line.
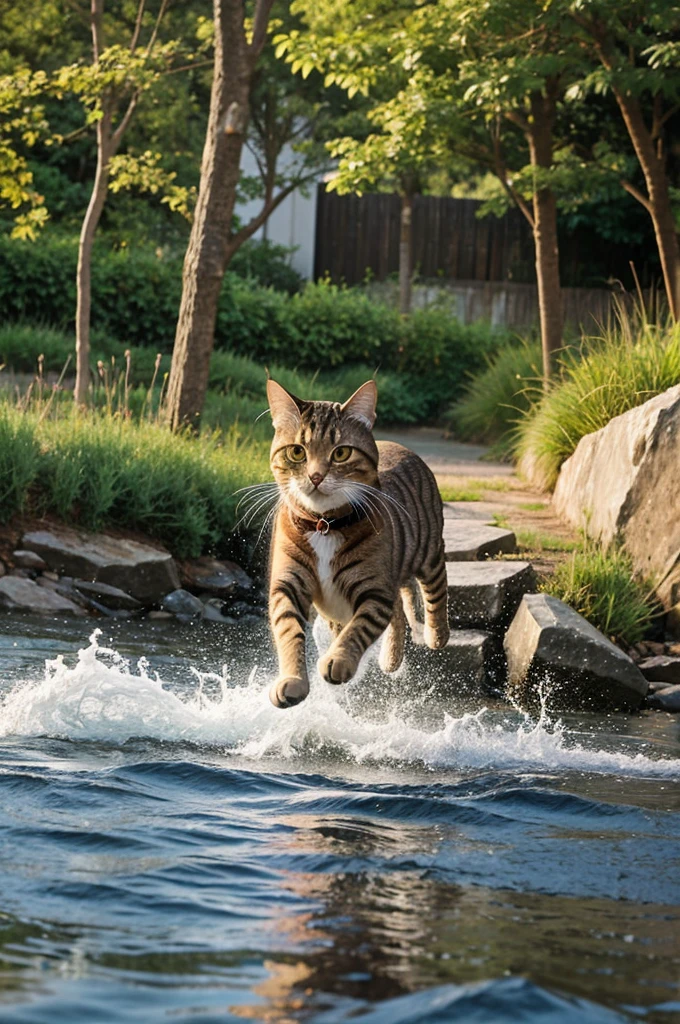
point(437, 636)
point(337, 667)
point(287, 692)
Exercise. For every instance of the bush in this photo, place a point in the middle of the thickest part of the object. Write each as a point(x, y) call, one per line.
point(100, 470)
point(618, 371)
point(268, 264)
point(498, 395)
point(601, 586)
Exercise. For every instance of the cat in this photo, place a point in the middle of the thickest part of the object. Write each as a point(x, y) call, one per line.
point(357, 522)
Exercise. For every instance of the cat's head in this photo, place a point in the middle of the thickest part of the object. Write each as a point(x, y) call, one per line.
point(323, 452)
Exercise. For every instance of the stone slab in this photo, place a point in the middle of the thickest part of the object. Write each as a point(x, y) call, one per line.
point(667, 699)
point(471, 662)
point(554, 654)
point(486, 595)
point(468, 540)
point(110, 597)
point(22, 595)
point(662, 668)
point(146, 573)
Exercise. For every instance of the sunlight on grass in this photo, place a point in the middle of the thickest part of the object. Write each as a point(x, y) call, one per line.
point(459, 494)
point(535, 540)
point(533, 506)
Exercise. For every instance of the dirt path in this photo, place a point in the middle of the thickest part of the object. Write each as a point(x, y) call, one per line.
point(477, 488)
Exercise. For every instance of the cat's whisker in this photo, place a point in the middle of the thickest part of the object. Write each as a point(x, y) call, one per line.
point(383, 496)
point(267, 520)
point(260, 508)
point(358, 505)
point(256, 487)
point(251, 512)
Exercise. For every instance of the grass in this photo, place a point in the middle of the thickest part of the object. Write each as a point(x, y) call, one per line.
point(459, 494)
point(498, 396)
point(532, 506)
point(631, 362)
point(97, 469)
point(601, 586)
point(540, 541)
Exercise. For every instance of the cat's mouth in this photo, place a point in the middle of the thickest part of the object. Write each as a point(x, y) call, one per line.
point(317, 499)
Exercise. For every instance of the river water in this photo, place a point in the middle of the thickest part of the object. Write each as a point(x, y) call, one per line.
point(173, 848)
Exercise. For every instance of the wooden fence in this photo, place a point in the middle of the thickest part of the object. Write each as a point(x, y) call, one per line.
point(356, 234)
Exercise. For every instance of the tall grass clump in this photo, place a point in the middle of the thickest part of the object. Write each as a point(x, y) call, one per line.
point(629, 363)
point(98, 470)
point(497, 396)
point(601, 585)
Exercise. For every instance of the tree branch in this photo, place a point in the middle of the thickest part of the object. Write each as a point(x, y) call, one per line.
point(636, 194)
point(96, 18)
point(516, 118)
point(268, 208)
point(138, 26)
point(154, 35)
point(260, 22)
point(117, 136)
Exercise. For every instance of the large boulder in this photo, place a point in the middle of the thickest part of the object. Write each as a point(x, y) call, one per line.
point(622, 483)
point(23, 595)
point(145, 573)
point(553, 653)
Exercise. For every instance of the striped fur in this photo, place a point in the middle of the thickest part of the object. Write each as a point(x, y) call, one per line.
point(357, 578)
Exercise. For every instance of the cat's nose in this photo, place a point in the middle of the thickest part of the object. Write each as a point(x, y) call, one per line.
point(316, 478)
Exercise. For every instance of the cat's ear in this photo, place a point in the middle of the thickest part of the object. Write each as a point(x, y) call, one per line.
point(285, 408)
point(361, 406)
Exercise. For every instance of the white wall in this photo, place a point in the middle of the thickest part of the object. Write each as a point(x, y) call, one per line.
point(292, 223)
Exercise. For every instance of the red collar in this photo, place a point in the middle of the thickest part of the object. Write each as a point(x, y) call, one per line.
point(323, 526)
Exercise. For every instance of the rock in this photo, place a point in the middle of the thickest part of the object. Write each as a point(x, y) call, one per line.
point(182, 604)
point(109, 597)
point(214, 610)
point(242, 610)
point(553, 651)
point(667, 699)
point(51, 576)
point(486, 594)
point(221, 579)
point(673, 649)
point(466, 540)
point(654, 685)
point(673, 622)
point(28, 560)
point(661, 668)
point(22, 595)
point(23, 574)
point(160, 616)
point(2, 568)
point(621, 484)
point(144, 572)
point(471, 662)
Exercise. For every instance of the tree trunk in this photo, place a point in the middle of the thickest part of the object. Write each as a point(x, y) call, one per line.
point(545, 232)
point(209, 249)
point(84, 271)
point(405, 253)
point(658, 203)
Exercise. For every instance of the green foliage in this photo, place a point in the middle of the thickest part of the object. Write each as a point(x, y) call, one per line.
point(496, 397)
point(601, 586)
point(101, 470)
point(268, 264)
point(629, 364)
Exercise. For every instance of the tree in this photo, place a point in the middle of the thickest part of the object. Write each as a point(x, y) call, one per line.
point(240, 54)
point(636, 45)
point(476, 76)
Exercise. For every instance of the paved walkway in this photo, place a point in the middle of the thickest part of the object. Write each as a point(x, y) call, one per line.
point(445, 457)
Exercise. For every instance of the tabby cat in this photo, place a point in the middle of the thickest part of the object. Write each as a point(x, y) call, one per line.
point(356, 523)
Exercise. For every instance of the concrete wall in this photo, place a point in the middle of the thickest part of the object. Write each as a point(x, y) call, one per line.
point(293, 223)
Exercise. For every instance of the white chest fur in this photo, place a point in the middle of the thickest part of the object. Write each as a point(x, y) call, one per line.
point(330, 601)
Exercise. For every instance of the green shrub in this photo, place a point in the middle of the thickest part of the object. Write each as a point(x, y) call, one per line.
point(268, 264)
point(615, 373)
point(498, 395)
point(601, 586)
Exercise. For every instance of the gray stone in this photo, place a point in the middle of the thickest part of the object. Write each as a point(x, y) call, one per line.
point(109, 597)
point(654, 685)
point(21, 595)
point(486, 594)
point(662, 668)
point(2, 568)
point(215, 610)
point(471, 662)
point(160, 616)
point(466, 540)
point(144, 572)
point(23, 574)
point(28, 560)
point(621, 484)
point(221, 579)
point(667, 699)
point(182, 604)
point(554, 653)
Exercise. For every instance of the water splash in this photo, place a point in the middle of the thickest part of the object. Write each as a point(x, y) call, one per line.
point(103, 698)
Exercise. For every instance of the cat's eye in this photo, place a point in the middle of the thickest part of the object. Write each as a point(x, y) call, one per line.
point(342, 453)
point(296, 453)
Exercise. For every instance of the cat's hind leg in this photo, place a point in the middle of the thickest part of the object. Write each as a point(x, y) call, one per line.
point(435, 591)
point(392, 648)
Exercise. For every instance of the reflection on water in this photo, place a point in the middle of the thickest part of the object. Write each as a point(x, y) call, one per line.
point(174, 848)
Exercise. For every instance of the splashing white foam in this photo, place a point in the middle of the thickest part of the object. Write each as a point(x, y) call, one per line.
point(101, 698)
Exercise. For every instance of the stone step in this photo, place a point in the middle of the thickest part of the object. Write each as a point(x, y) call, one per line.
point(471, 663)
point(468, 540)
point(486, 595)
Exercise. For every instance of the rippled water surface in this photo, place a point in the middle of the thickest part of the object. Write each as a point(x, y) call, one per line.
point(173, 848)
